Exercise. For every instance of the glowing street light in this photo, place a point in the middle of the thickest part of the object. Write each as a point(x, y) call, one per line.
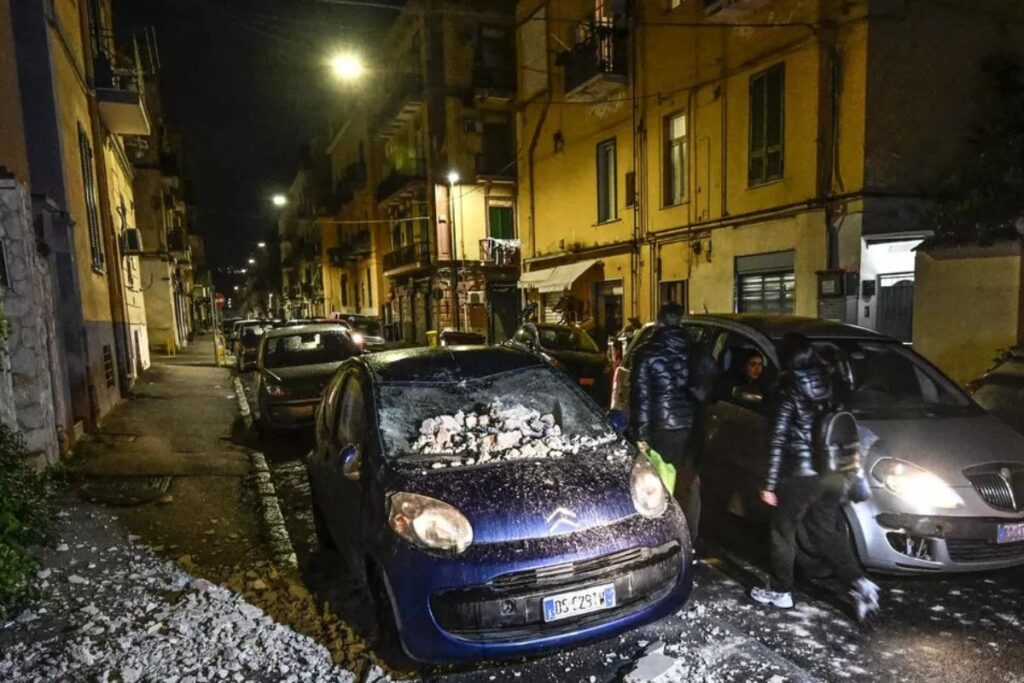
point(252, 262)
point(261, 245)
point(346, 66)
point(279, 200)
point(453, 177)
point(237, 288)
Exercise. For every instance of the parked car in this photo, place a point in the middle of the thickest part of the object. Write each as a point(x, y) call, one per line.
point(471, 560)
point(367, 331)
point(1001, 390)
point(240, 333)
point(460, 338)
point(945, 476)
point(621, 374)
point(248, 345)
point(570, 349)
point(232, 337)
point(295, 364)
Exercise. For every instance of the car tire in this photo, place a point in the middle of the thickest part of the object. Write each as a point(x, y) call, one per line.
point(387, 641)
point(323, 534)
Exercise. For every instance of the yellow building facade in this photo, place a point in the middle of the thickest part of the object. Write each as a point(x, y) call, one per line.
point(735, 155)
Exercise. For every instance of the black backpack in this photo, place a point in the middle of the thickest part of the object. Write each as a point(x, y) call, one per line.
point(838, 451)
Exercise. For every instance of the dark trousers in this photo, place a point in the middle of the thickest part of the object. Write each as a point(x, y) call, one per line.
point(675, 448)
point(806, 529)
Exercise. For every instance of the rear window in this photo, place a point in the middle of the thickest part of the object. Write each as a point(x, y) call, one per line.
point(566, 339)
point(308, 348)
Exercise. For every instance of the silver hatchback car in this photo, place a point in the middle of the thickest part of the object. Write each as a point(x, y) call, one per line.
point(947, 478)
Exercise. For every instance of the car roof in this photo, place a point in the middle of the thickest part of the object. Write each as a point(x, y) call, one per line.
point(446, 364)
point(776, 326)
point(301, 329)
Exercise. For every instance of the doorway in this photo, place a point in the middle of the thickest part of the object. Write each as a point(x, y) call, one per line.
point(608, 312)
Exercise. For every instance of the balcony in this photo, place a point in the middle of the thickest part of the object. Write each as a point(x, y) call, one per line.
point(352, 180)
point(398, 179)
point(416, 254)
point(120, 91)
point(177, 241)
point(731, 10)
point(499, 252)
point(597, 67)
point(496, 166)
point(496, 83)
point(403, 103)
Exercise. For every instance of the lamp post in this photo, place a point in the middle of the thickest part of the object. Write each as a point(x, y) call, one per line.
point(453, 179)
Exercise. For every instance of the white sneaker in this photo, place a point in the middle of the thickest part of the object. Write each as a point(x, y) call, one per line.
point(770, 597)
point(865, 598)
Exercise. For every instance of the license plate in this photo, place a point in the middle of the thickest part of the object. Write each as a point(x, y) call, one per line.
point(587, 381)
point(1010, 533)
point(579, 602)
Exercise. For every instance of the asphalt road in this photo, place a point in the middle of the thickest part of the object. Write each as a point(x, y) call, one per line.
point(958, 629)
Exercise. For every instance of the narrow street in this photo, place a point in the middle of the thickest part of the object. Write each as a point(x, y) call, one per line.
point(960, 629)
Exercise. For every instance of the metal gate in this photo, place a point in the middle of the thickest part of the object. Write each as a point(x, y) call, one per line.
point(896, 306)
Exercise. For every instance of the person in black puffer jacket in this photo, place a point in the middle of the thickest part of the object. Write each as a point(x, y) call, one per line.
point(806, 505)
point(663, 407)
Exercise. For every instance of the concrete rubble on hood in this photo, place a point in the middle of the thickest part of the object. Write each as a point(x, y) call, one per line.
point(499, 433)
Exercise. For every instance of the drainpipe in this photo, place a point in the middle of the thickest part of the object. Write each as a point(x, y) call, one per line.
point(529, 161)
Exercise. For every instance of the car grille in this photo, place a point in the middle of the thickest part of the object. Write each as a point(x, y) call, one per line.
point(980, 550)
point(510, 606)
point(998, 491)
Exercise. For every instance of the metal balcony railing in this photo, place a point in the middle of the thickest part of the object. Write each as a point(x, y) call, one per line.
point(602, 56)
point(410, 254)
point(399, 178)
point(500, 252)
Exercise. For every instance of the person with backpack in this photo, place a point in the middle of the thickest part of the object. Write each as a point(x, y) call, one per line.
point(807, 502)
point(663, 407)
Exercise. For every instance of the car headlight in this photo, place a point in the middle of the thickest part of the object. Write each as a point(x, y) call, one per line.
point(357, 339)
point(275, 390)
point(914, 484)
point(428, 522)
point(649, 495)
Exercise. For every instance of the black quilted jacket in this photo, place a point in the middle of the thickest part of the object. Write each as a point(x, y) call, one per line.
point(803, 396)
point(659, 390)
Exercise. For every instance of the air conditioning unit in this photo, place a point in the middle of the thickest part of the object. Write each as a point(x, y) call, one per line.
point(477, 297)
point(131, 242)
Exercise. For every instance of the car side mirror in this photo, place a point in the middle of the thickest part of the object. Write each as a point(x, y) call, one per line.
point(352, 463)
point(747, 395)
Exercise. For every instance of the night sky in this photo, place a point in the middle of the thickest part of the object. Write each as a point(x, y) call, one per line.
point(245, 84)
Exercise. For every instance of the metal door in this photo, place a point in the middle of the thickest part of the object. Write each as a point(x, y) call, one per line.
point(896, 306)
point(502, 312)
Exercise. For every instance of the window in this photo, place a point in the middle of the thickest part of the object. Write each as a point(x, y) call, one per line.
point(674, 135)
point(767, 124)
point(499, 222)
point(344, 290)
point(369, 289)
point(606, 200)
point(122, 212)
point(674, 291)
point(765, 283)
point(92, 212)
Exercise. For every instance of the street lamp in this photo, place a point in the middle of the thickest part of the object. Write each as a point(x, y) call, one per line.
point(261, 245)
point(237, 288)
point(252, 261)
point(453, 179)
point(279, 200)
point(347, 66)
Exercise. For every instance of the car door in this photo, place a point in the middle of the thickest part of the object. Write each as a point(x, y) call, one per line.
point(620, 378)
point(735, 455)
point(351, 442)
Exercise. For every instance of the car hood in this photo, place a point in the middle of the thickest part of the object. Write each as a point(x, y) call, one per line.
point(512, 501)
point(945, 446)
point(304, 378)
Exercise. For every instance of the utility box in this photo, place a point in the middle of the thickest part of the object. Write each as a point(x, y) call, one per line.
point(837, 295)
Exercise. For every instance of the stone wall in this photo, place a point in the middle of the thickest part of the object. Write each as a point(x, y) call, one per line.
point(32, 355)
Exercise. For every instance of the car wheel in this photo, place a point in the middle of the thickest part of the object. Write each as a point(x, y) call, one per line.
point(387, 640)
point(323, 535)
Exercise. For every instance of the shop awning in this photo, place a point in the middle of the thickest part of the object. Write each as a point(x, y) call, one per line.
point(555, 279)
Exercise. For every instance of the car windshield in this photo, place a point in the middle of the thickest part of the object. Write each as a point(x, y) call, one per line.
point(566, 339)
point(886, 380)
point(307, 348)
point(411, 415)
point(366, 326)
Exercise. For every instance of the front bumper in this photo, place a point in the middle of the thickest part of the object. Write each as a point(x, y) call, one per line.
point(486, 603)
point(892, 537)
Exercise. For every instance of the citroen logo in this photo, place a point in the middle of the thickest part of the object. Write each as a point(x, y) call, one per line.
point(1005, 473)
point(561, 518)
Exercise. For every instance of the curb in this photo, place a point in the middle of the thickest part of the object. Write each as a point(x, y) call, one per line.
point(270, 509)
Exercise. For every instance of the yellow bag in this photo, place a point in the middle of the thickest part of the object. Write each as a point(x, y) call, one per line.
point(665, 470)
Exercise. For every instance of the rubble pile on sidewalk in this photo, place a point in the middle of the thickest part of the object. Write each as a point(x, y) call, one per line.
point(117, 612)
point(498, 433)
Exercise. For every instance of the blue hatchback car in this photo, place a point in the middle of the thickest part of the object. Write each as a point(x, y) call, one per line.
point(489, 508)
